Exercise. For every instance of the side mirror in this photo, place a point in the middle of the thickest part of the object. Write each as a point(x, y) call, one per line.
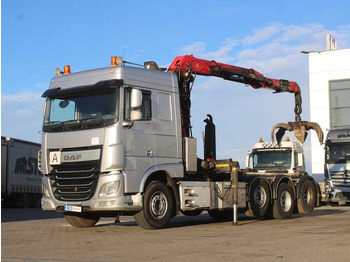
point(247, 160)
point(136, 98)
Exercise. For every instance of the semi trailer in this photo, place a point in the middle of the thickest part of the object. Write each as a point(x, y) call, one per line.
point(20, 177)
point(118, 140)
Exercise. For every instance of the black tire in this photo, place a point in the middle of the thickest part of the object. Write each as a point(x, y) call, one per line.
point(221, 214)
point(283, 206)
point(259, 198)
point(307, 197)
point(82, 220)
point(158, 205)
point(192, 213)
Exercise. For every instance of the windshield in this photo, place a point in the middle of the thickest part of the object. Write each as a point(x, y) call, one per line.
point(338, 153)
point(272, 159)
point(83, 110)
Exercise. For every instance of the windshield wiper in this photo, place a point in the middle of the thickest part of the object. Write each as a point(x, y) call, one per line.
point(72, 124)
point(93, 121)
point(55, 125)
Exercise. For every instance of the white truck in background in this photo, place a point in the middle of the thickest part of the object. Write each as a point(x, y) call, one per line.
point(337, 166)
point(270, 158)
point(20, 177)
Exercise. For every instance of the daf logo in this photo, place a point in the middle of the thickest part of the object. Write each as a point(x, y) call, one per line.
point(72, 157)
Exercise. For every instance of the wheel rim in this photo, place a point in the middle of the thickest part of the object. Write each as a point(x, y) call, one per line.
point(259, 196)
point(158, 205)
point(307, 196)
point(286, 201)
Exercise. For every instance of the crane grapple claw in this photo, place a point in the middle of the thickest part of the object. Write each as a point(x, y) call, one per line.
point(299, 128)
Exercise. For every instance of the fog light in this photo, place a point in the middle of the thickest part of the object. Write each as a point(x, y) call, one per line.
point(110, 188)
point(45, 191)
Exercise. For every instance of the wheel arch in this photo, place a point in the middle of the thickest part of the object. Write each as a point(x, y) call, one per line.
point(165, 175)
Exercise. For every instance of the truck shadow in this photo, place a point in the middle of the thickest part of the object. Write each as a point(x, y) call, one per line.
point(25, 214)
point(205, 219)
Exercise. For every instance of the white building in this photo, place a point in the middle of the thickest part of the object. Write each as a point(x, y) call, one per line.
point(329, 96)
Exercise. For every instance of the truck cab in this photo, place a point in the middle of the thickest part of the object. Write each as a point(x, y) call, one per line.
point(105, 131)
point(337, 166)
point(288, 157)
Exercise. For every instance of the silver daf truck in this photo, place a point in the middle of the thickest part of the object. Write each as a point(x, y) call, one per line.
point(118, 140)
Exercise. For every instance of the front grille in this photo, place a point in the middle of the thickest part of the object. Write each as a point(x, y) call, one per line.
point(340, 179)
point(74, 181)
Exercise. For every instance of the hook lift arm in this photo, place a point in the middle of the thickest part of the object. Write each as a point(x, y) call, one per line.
point(188, 66)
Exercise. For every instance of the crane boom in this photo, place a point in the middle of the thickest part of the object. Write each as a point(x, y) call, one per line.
point(229, 72)
point(186, 66)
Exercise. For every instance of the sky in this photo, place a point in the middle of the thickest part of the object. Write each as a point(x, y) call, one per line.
point(38, 36)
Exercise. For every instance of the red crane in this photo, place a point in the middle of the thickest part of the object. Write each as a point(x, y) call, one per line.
point(188, 66)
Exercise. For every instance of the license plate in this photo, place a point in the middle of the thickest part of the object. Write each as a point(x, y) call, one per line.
point(72, 208)
point(55, 158)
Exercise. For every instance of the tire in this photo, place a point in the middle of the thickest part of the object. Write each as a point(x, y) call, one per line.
point(221, 214)
point(283, 206)
point(192, 213)
point(307, 197)
point(82, 220)
point(259, 198)
point(158, 205)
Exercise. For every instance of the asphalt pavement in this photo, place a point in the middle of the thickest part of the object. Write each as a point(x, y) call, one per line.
point(34, 235)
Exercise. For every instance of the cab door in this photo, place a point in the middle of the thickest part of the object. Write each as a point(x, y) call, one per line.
point(138, 139)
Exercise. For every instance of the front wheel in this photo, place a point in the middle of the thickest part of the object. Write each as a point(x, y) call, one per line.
point(82, 220)
point(283, 206)
point(307, 197)
point(158, 206)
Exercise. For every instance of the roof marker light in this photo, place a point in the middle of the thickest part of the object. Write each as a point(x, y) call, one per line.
point(287, 138)
point(261, 140)
point(116, 60)
point(66, 70)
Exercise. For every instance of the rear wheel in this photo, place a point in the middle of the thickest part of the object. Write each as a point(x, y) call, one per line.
point(307, 197)
point(82, 220)
point(284, 204)
point(259, 201)
point(192, 213)
point(158, 206)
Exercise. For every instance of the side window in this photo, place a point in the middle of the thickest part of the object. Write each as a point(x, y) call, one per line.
point(164, 107)
point(143, 112)
point(296, 159)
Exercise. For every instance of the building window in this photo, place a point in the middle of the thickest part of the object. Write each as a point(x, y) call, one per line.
point(339, 91)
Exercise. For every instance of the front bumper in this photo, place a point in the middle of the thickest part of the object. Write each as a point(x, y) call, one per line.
point(339, 194)
point(116, 202)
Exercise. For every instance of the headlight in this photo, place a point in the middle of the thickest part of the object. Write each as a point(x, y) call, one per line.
point(45, 191)
point(109, 189)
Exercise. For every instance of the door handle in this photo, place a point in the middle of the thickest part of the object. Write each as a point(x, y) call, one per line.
point(149, 152)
